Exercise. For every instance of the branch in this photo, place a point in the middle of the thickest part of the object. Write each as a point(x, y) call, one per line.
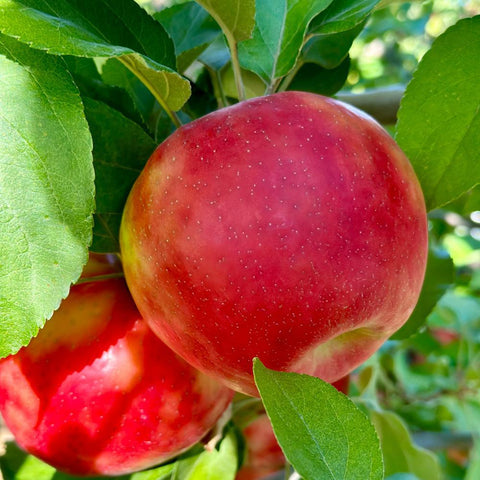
point(381, 103)
point(443, 440)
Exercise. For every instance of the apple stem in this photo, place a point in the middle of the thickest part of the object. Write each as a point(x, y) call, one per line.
point(217, 431)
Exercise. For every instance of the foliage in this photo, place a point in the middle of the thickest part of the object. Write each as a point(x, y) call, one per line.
point(90, 87)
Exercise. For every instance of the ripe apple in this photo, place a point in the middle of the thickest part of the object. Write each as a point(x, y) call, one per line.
point(289, 227)
point(342, 384)
point(96, 392)
point(263, 454)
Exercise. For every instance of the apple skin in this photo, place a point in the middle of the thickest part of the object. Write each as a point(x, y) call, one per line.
point(289, 227)
point(96, 392)
point(264, 455)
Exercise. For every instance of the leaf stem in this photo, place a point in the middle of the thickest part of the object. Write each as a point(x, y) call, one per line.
point(237, 71)
point(287, 80)
point(217, 87)
point(284, 83)
point(171, 114)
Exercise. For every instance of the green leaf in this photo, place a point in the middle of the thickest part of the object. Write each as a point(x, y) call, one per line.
point(101, 28)
point(18, 465)
point(83, 68)
point(217, 464)
point(216, 56)
point(322, 433)
point(91, 84)
point(467, 203)
point(439, 116)
point(342, 15)
point(277, 39)
point(439, 277)
point(316, 79)
point(235, 17)
point(46, 189)
point(120, 150)
point(254, 86)
point(472, 200)
point(87, 28)
point(399, 453)
point(116, 74)
point(473, 471)
point(330, 50)
point(192, 41)
point(402, 476)
point(164, 472)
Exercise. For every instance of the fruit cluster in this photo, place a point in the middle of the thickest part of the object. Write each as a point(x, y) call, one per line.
point(288, 227)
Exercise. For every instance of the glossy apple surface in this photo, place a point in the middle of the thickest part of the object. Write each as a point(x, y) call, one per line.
point(289, 227)
point(96, 392)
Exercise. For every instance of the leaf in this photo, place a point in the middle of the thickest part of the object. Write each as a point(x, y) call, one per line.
point(216, 464)
point(399, 453)
point(100, 28)
point(439, 116)
point(342, 15)
point(84, 68)
point(163, 472)
point(277, 39)
point(46, 190)
point(330, 50)
point(439, 277)
point(120, 150)
point(472, 200)
point(216, 56)
point(15, 464)
point(473, 471)
point(235, 17)
point(116, 74)
point(402, 476)
point(316, 79)
point(90, 84)
point(192, 41)
point(254, 86)
point(322, 433)
point(18, 465)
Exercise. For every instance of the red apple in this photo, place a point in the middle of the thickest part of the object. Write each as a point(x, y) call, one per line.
point(342, 384)
point(96, 392)
point(289, 227)
point(263, 454)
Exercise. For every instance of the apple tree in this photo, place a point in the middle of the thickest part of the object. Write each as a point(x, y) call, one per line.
point(90, 88)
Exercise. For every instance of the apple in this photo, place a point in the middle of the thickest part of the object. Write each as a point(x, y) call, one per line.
point(96, 392)
point(263, 455)
point(289, 227)
point(444, 336)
